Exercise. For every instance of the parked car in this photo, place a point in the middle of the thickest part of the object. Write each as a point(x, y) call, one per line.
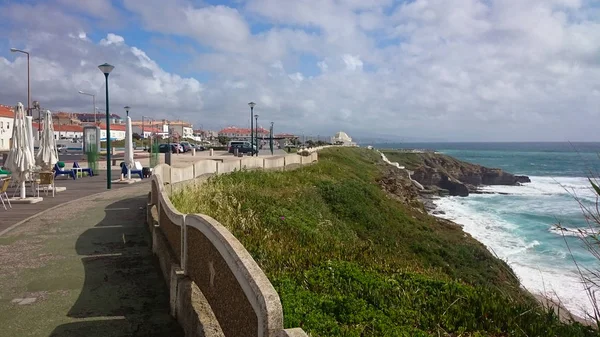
point(186, 146)
point(200, 148)
point(236, 143)
point(61, 148)
point(164, 148)
point(178, 147)
point(244, 147)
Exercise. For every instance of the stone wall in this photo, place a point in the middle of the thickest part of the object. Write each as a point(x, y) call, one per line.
point(233, 296)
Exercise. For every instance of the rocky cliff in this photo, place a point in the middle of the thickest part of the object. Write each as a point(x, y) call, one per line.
point(459, 177)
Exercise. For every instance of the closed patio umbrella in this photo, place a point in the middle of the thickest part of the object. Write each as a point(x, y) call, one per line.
point(47, 154)
point(20, 160)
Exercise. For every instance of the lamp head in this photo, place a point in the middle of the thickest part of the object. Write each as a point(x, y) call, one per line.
point(127, 107)
point(252, 104)
point(14, 50)
point(106, 68)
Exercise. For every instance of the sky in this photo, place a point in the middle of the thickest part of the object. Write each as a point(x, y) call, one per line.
point(419, 70)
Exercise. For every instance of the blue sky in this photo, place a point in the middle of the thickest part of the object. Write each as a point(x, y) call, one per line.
point(463, 70)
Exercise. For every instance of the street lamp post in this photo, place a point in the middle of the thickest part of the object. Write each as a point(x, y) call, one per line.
point(93, 102)
point(271, 139)
point(15, 50)
point(127, 107)
point(144, 131)
point(36, 105)
point(106, 69)
point(256, 133)
point(252, 105)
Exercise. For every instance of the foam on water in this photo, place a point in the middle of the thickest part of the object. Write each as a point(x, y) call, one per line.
point(510, 226)
point(566, 186)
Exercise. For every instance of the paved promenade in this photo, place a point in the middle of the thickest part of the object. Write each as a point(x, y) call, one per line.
point(84, 269)
point(76, 189)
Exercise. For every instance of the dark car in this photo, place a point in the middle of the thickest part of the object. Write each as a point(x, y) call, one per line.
point(243, 148)
point(164, 148)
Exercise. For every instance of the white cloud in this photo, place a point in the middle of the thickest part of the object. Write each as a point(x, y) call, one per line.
point(137, 80)
point(451, 69)
point(352, 62)
point(112, 39)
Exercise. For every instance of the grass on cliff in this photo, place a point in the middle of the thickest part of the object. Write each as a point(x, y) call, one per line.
point(349, 260)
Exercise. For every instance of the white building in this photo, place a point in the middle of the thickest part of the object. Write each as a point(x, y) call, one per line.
point(341, 138)
point(147, 131)
point(181, 129)
point(6, 120)
point(117, 132)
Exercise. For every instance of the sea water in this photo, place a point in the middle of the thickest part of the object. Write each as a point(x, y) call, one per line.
point(518, 223)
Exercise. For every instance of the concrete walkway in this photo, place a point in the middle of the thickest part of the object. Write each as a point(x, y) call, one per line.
point(84, 269)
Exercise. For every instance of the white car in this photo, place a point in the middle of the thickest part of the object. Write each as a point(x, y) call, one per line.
point(61, 148)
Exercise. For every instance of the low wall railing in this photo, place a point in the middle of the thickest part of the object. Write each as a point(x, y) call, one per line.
point(243, 300)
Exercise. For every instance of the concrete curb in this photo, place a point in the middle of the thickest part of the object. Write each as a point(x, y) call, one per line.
point(51, 209)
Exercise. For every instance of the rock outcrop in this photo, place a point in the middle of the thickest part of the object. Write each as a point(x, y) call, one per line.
point(458, 177)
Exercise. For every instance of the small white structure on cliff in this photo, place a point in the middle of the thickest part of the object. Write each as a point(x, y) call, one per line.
point(341, 138)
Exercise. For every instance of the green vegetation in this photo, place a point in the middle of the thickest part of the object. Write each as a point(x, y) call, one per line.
point(91, 157)
point(349, 260)
point(224, 140)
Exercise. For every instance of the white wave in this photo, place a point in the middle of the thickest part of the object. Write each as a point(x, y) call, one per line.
point(568, 186)
point(538, 273)
point(579, 232)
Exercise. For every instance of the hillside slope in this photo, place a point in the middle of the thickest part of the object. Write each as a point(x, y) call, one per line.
point(350, 258)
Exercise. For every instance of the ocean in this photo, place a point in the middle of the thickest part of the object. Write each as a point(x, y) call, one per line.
point(517, 223)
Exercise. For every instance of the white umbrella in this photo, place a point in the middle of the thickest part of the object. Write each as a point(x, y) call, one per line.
point(20, 159)
point(128, 147)
point(47, 154)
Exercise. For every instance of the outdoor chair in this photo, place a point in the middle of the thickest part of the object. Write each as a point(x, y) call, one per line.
point(134, 170)
point(3, 188)
point(46, 181)
point(88, 170)
point(59, 172)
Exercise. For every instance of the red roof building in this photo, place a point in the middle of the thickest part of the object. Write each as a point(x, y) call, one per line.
point(6, 111)
point(233, 132)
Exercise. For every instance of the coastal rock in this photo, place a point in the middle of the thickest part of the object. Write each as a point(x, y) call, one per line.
point(459, 177)
point(397, 184)
point(523, 179)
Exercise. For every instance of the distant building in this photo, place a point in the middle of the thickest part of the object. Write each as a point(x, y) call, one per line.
point(89, 118)
point(181, 129)
point(176, 129)
point(146, 131)
point(117, 132)
point(341, 138)
point(6, 120)
point(236, 133)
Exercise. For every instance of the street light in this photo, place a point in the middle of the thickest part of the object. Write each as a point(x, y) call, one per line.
point(144, 130)
point(106, 69)
point(36, 105)
point(127, 107)
point(271, 140)
point(15, 50)
point(252, 105)
point(93, 102)
point(256, 117)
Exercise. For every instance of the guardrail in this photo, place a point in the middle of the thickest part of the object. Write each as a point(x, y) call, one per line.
point(205, 266)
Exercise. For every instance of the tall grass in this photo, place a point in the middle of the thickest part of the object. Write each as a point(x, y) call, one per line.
point(590, 238)
point(348, 260)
